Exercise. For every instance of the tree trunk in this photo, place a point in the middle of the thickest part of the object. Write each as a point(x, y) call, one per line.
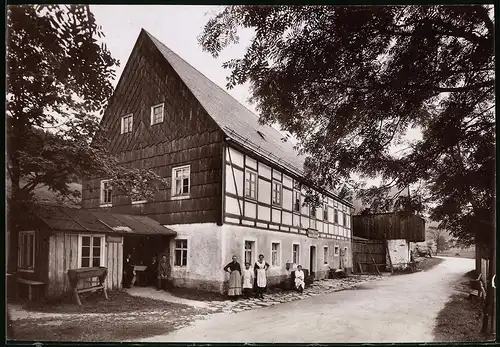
point(489, 304)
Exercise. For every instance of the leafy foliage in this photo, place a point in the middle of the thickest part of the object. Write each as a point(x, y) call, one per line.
point(58, 77)
point(349, 82)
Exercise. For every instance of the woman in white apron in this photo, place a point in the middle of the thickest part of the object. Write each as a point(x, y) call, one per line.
point(260, 274)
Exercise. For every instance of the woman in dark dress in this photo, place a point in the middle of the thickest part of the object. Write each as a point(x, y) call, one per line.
point(234, 269)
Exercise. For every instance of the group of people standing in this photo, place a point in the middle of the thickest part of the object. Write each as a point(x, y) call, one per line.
point(243, 282)
point(156, 273)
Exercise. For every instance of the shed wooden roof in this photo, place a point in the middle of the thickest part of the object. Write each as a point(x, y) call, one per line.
point(77, 220)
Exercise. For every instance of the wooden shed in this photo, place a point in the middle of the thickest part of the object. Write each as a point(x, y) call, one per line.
point(55, 239)
point(390, 226)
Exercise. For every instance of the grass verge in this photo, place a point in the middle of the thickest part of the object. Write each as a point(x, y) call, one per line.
point(461, 318)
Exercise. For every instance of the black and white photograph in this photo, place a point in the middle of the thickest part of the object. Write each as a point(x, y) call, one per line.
point(250, 173)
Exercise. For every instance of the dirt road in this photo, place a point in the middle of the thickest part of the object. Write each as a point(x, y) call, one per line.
point(397, 309)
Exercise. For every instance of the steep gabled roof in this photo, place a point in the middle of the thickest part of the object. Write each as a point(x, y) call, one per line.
point(235, 120)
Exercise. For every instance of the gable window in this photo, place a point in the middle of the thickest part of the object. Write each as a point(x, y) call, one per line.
point(325, 211)
point(296, 254)
point(336, 250)
point(181, 180)
point(91, 251)
point(277, 191)
point(139, 201)
point(336, 216)
point(296, 201)
point(126, 125)
point(275, 254)
point(26, 256)
point(250, 184)
point(181, 252)
point(325, 255)
point(157, 113)
point(106, 192)
point(249, 250)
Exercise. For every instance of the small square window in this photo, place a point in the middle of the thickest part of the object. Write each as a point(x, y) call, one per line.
point(126, 124)
point(336, 250)
point(181, 180)
point(157, 114)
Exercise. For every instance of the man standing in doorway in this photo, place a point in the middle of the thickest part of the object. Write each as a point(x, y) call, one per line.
point(162, 273)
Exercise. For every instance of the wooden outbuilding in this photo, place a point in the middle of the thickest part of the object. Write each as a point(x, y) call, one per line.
point(56, 239)
point(390, 226)
point(394, 230)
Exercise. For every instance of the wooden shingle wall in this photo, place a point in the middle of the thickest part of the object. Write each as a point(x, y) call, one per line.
point(187, 136)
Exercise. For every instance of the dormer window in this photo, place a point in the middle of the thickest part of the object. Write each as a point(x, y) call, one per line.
point(126, 124)
point(157, 112)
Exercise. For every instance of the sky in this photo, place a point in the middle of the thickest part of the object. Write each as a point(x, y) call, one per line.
point(178, 28)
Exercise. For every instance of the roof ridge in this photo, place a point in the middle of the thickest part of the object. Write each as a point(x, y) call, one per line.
point(212, 82)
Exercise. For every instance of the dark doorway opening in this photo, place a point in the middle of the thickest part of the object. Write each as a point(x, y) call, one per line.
point(142, 249)
point(312, 261)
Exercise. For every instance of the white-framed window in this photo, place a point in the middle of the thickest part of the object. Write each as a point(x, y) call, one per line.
point(106, 192)
point(91, 250)
point(26, 255)
point(296, 253)
point(296, 201)
point(312, 214)
point(336, 250)
point(275, 254)
point(250, 184)
point(336, 216)
point(325, 255)
point(126, 124)
point(325, 211)
point(181, 181)
point(347, 220)
point(181, 252)
point(137, 202)
point(276, 193)
point(249, 251)
point(344, 219)
point(157, 113)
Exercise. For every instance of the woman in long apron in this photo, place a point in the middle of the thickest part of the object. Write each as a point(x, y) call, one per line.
point(234, 269)
point(260, 274)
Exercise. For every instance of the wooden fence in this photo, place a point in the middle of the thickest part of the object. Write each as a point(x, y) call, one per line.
point(365, 252)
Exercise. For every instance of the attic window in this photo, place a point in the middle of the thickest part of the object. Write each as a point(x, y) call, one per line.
point(261, 135)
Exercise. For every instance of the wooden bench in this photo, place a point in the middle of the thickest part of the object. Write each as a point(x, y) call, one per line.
point(30, 284)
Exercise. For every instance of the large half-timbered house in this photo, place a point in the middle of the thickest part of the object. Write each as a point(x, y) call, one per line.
point(235, 188)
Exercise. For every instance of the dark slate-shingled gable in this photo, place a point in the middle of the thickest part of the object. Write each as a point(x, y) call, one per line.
point(235, 120)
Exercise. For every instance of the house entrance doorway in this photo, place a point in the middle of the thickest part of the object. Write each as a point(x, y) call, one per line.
point(312, 261)
point(142, 249)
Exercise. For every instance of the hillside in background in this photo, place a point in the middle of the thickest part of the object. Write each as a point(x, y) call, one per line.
point(45, 196)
